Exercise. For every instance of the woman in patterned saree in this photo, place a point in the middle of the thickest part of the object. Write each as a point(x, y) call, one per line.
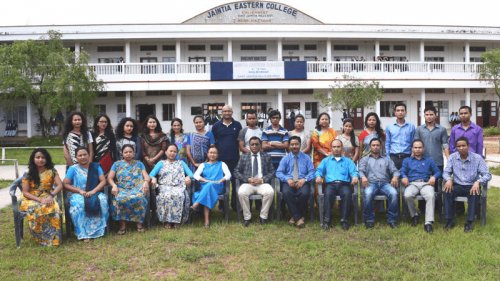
point(88, 205)
point(43, 212)
point(199, 142)
point(173, 177)
point(105, 151)
point(76, 134)
point(176, 136)
point(322, 138)
point(153, 142)
point(129, 190)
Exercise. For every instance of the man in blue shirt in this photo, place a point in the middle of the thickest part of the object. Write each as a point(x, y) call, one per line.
point(226, 133)
point(419, 174)
point(339, 173)
point(399, 136)
point(295, 171)
point(379, 175)
point(469, 171)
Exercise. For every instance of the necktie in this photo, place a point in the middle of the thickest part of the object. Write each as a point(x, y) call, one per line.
point(255, 168)
point(296, 168)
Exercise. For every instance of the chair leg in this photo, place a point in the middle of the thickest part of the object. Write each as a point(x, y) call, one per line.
point(278, 211)
point(321, 202)
point(311, 206)
point(17, 232)
point(226, 208)
point(21, 228)
point(238, 210)
point(355, 207)
point(483, 210)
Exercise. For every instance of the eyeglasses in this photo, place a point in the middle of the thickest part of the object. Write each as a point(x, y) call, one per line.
point(255, 144)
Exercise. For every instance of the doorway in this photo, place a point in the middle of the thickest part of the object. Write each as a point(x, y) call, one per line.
point(150, 68)
point(142, 111)
point(291, 109)
point(486, 113)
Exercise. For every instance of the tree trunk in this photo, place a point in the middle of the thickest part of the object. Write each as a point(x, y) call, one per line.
point(42, 121)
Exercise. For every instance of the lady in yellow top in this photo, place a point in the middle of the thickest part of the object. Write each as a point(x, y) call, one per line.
point(322, 138)
point(43, 212)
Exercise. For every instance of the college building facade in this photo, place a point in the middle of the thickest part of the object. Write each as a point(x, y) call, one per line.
point(261, 54)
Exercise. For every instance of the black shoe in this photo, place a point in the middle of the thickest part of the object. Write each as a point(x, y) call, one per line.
point(246, 223)
point(263, 221)
point(428, 228)
point(345, 225)
point(468, 227)
point(393, 225)
point(414, 220)
point(369, 225)
point(325, 226)
point(449, 225)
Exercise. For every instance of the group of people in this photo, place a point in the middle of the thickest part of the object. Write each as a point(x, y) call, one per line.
point(152, 171)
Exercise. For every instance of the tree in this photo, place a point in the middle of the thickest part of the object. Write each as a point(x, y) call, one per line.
point(351, 94)
point(490, 71)
point(46, 73)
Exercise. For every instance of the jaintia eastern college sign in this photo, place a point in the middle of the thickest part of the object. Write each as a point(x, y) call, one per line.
point(253, 12)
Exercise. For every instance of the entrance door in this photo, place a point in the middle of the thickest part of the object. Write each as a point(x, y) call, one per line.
point(428, 103)
point(142, 111)
point(288, 108)
point(357, 117)
point(149, 69)
point(486, 113)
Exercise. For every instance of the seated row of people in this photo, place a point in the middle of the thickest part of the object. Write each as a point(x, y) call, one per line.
point(130, 184)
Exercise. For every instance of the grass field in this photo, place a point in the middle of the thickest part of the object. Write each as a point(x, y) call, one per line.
point(23, 154)
point(5, 183)
point(271, 252)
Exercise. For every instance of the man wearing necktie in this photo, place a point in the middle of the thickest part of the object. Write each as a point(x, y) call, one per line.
point(255, 171)
point(339, 173)
point(295, 171)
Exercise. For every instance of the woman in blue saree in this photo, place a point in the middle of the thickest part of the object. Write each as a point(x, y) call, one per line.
point(212, 175)
point(88, 205)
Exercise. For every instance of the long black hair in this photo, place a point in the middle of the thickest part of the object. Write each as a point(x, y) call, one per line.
point(353, 136)
point(68, 126)
point(172, 134)
point(121, 124)
point(32, 169)
point(145, 129)
point(378, 127)
point(318, 126)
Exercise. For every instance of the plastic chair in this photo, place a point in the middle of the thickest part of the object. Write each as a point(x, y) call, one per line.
point(255, 197)
point(281, 200)
point(224, 197)
point(19, 215)
point(355, 202)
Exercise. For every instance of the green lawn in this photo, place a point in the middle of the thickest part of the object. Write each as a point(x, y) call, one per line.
point(273, 252)
point(495, 170)
point(5, 183)
point(23, 154)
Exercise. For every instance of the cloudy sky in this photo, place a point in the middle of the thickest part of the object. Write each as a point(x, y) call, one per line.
point(422, 12)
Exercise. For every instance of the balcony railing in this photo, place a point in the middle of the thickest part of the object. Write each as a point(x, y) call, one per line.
point(196, 71)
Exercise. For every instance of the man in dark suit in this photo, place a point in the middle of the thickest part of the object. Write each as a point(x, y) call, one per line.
point(255, 171)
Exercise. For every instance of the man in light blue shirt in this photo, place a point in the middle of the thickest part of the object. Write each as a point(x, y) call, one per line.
point(339, 173)
point(379, 175)
point(469, 171)
point(399, 136)
point(295, 171)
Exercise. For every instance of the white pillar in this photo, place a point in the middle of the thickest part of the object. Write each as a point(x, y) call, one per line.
point(178, 51)
point(127, 52)
point(467, 52)
point(77, 50)
point(178, 114)
point(128, 104)
point(29, 120)
point(230, 98)
point(279, 50)
point(229, 50)
point(422, 51)
point(377, 107)
point(330, 112)
point(280, 107)
point(377, 49)
point(328, 50)
point(467, 97)
point(422, 106)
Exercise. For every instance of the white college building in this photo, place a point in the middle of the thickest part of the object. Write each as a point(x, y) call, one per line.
point(263, 55)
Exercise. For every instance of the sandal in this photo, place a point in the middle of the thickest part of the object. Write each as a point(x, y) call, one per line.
point(121, 231)
point(140, 228)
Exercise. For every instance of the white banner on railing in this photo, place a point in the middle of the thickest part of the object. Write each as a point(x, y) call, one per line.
point(259, 70)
